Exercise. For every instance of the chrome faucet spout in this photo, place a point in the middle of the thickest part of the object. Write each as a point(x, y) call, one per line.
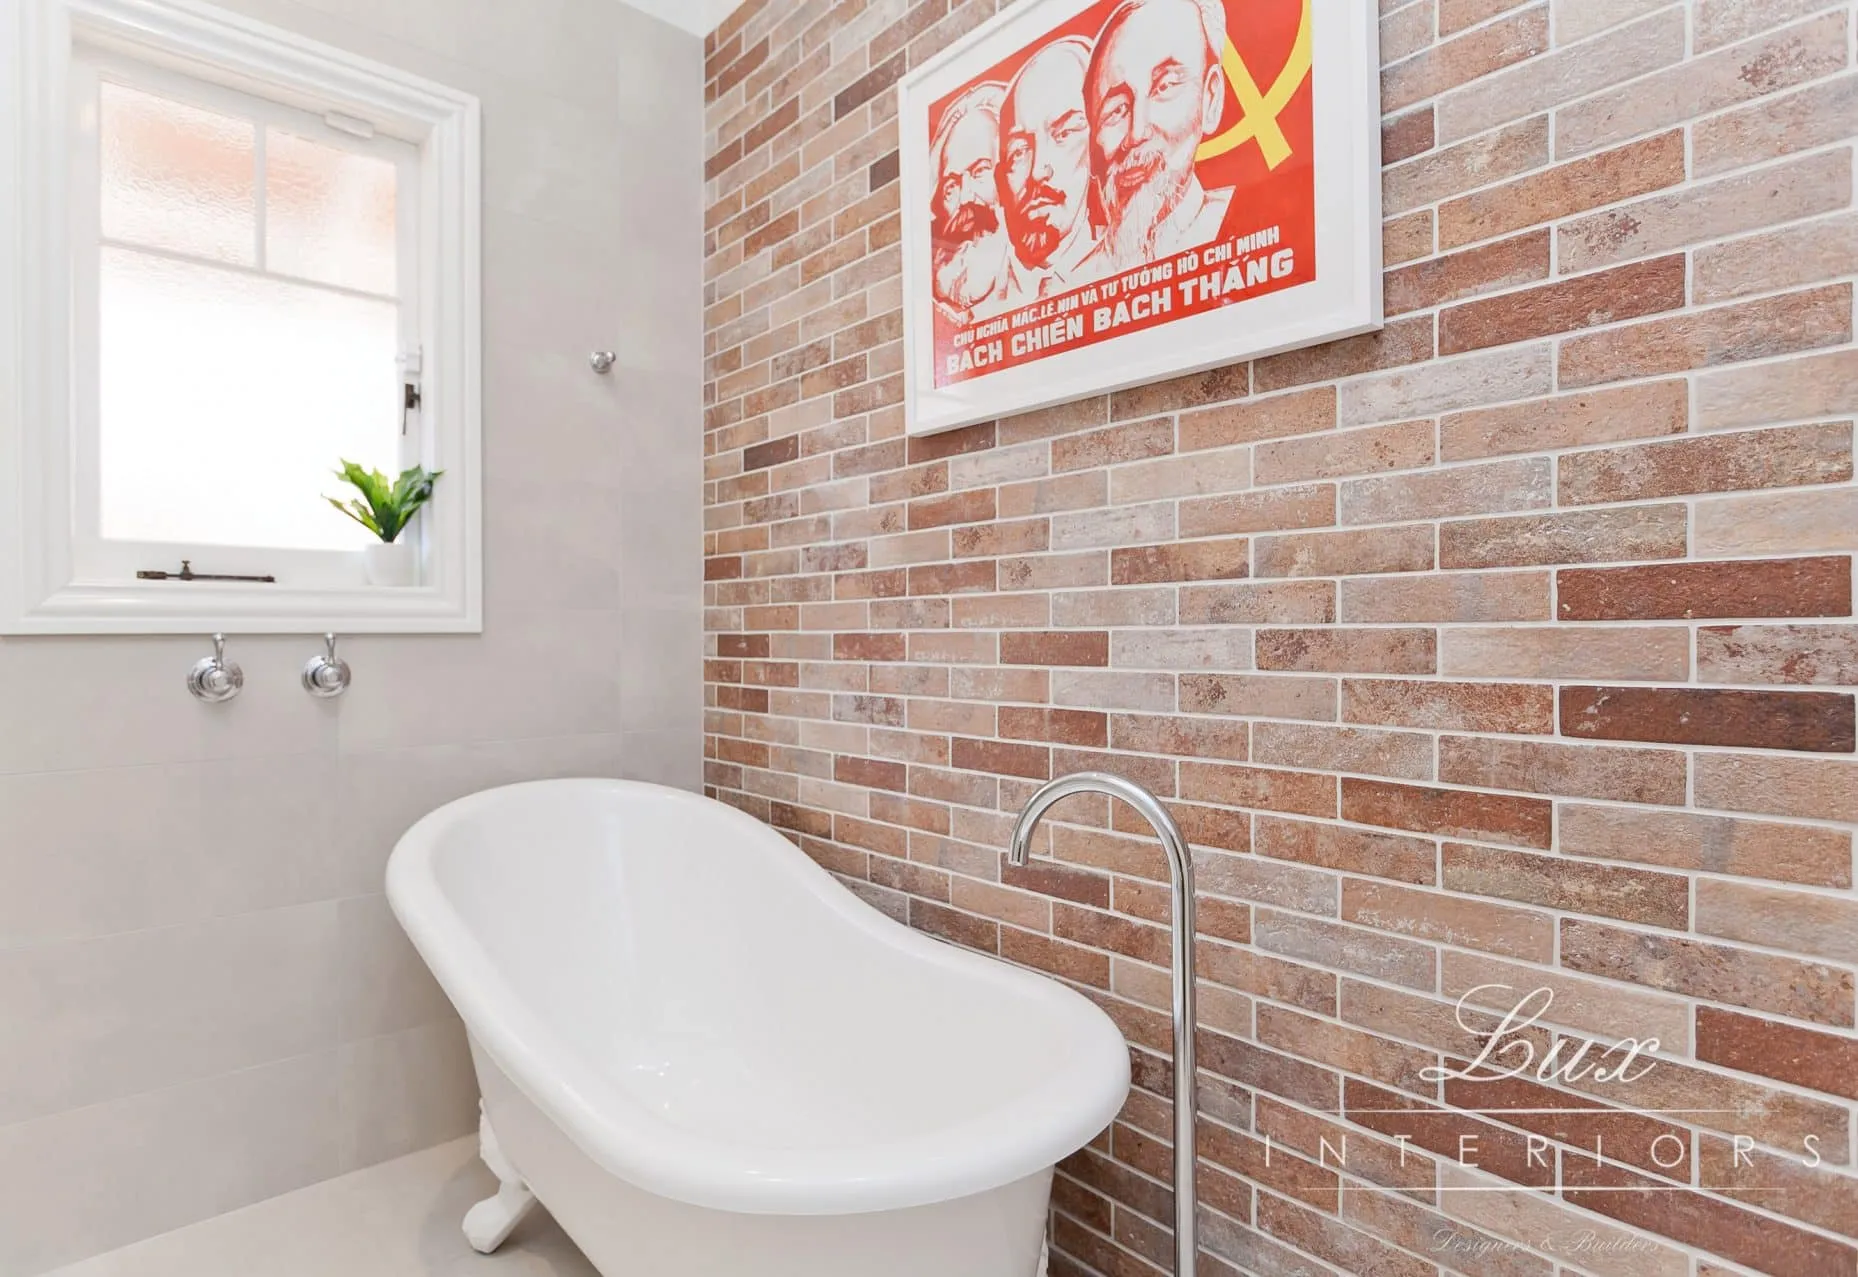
point(1181, 879)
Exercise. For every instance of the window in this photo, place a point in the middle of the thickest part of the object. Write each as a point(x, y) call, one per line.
point(254, 257)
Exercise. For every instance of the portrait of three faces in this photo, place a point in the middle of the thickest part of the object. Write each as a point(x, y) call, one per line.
point(1083, 165)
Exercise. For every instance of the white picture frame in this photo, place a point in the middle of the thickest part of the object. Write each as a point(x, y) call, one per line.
point(1343, 298)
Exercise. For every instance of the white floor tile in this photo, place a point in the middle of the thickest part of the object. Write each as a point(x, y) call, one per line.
point(398, 1219)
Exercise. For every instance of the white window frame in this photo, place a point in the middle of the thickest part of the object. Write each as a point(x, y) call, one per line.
point(50, 581)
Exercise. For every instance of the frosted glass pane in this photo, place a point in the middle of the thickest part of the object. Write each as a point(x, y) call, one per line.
point(329, 214)
point(178, 177)
point(228, 398)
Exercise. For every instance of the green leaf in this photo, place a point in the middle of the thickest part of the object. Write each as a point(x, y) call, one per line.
point(358, 512)
point(385, 507)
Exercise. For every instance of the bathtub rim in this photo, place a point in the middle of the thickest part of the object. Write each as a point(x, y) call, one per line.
point(1064, 1111)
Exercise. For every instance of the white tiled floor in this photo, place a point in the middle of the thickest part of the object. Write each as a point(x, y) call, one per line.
point(399, 1219)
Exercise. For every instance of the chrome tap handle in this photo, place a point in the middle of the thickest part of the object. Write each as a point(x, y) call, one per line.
point(214, 679)
point(327, 676)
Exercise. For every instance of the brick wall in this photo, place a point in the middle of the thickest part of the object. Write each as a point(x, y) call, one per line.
point(1511, 645)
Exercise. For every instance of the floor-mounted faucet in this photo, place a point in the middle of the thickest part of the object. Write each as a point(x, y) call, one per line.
point(1181, 874)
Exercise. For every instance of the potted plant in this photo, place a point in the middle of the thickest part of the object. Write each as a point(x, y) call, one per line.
point(386, 508)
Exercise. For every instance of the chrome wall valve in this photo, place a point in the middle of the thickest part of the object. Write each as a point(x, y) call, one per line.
point(214, 679)
point(327, 676)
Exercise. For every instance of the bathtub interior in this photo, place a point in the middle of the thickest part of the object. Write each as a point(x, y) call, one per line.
point(703, 965)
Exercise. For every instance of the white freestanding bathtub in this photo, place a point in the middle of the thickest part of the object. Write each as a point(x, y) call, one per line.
point(709, 1059)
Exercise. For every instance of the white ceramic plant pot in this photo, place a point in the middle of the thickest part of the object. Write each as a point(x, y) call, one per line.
point(395, 564)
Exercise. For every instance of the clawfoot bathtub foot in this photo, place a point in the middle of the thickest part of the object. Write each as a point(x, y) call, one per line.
point(489, 1224)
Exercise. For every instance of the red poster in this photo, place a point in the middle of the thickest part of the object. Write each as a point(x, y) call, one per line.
point(1142, 163)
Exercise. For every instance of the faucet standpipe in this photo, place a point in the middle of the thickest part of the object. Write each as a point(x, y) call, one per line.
point(1181, 874)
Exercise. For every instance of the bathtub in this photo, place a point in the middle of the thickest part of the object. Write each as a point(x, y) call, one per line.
point(709, 1059)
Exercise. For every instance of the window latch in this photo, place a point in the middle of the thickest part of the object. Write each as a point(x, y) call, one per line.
point(410, 370)
point(409, 405)
point(187, 573)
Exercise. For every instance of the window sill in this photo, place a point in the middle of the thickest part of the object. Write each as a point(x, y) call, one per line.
point(176, 607)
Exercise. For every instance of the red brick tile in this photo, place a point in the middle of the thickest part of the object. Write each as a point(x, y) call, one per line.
point(1359, 750)
point(1260, 695)
point(1345, 1049)
point(1568, 421)
point(1364, 952)
point(1707, 1223)
point(1378, 1161)
point(1281, 602)
point(1182, 393)
point(1402, 342)
point(1001, 757)
point(1186, 737)
point(1552, 767)
point(1360, 851)
point(1057, 647)
point(1113, 445)
point(1473, 707)
point(1312, 506)
point(870, 773)
point(1521, 484)
point(1661, 1147)
point(1634, 532)
point(1450, 919)
point(1111, 932)
point(1720, 463)
point(1418, 1228)
point(1367, 651)
point(1455, 813)
point(1462, 597)
point(1703, 339)
point(1756, 1177)
point(1465, 58)
point(1791, 654)
point(958, 928)
point(950, 443)
point(869, 647)
point(1499, 1151)
point(1073, 962)
point(1405, 549)
point(961, 507)
point(1687, 591)
point(1227, 559)
point(1406, 136)
point(1297, 792)
point(1523, 259)
point(1819, 1061)
point(1057, 726)
point(1490, 157)
point(1555, 882)
point(1401, 445)
point(1818, 722)
point(1786, 986)
point(1659, 653)
point(1303, 412)
point(1586, 301)
point(952, 578)
point(1635, 169)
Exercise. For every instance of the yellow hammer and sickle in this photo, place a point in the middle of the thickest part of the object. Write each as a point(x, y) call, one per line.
point(1258, 111)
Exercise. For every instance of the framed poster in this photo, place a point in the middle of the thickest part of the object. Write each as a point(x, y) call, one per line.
point(1102, 193)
